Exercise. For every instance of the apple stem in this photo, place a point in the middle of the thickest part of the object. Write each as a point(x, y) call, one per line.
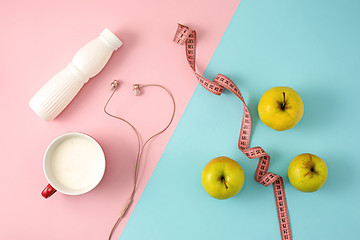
point(283, 103)
point(223, 179)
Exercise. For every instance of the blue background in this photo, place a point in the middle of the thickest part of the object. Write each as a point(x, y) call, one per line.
point(311, 46)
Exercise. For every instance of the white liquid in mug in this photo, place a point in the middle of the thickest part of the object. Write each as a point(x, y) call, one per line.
point(77, 163)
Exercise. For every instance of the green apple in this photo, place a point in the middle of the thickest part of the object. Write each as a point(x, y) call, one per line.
point(222, 178)
point(281, 108)
point(307, 172)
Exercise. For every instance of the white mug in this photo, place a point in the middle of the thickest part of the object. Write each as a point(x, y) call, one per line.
point(74, 164)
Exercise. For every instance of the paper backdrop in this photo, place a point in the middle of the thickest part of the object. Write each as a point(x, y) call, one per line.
point(38, 39)
point(311, 46)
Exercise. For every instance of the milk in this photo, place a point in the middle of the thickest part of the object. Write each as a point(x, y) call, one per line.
point(77, 163)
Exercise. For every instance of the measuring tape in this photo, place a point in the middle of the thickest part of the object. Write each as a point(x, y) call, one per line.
point(187, 36)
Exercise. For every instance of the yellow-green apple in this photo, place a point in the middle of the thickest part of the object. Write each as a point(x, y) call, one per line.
point(280, 108)
point(307, 172)
point(222, 178)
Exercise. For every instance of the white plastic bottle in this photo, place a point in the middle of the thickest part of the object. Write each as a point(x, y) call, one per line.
point(57, 93)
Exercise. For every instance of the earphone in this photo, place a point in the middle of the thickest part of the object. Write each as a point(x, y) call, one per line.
point(136, 90)
point(136, 87)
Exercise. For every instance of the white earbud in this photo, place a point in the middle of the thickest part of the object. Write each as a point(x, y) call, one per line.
point(136, 89)
point(114, 85)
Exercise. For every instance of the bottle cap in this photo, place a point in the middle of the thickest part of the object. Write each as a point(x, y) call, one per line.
point(111, 39)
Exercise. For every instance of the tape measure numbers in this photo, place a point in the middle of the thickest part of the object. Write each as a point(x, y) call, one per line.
point(187, 36)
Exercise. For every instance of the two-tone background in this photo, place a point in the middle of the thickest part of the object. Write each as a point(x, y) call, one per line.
point(311, 46)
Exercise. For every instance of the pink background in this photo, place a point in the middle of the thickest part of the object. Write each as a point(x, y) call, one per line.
point(38, 39)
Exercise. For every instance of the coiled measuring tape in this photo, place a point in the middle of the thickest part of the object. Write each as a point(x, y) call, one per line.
point(187, 36)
